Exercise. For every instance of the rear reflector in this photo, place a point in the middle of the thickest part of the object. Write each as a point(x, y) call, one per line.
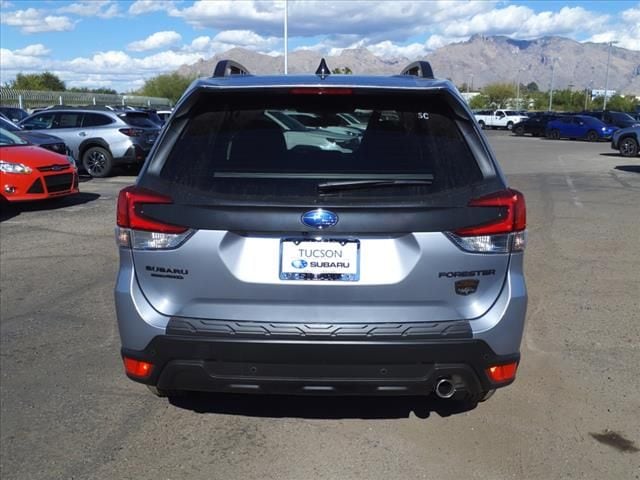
point(320, 91)
point(137, 368)
point(502, 373)
point(130, 202)
point(513, 218)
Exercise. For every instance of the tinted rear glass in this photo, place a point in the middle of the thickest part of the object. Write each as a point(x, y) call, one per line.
point(138, 119)
point(249, 144)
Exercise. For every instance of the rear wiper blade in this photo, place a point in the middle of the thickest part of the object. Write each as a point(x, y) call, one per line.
point(362, 184)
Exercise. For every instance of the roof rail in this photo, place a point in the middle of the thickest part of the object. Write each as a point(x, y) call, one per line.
point(226, 68)
point(420, 69)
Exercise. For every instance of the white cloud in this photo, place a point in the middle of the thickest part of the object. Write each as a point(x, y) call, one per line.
point(140, 7)
point(389, 20)
point(199, 44)
point(522, 22)
point(155, 41)
point(35, 21)
point(35, 50)
point(120, 62)
point(93, 8)
point(228, 39)
point(14, 61)
point(5, 4)
point(245, 38)
point(389, 49)
point(626, 35)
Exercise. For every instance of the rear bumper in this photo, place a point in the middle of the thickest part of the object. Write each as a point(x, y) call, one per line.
point(134, 154)
point(316, 367)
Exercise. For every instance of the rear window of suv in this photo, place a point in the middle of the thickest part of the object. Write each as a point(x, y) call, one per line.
point(250, 145)
point(138, 119)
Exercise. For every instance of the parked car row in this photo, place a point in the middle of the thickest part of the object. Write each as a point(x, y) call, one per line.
point(619, 127)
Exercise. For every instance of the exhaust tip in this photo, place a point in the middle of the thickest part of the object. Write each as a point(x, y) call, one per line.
point(445, 388)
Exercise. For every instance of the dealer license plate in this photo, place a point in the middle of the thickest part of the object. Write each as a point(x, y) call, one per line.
point(331, 260)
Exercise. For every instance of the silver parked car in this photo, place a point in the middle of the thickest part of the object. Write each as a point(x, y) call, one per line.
point(99, 139)
point(627, 141)
point(250, 265)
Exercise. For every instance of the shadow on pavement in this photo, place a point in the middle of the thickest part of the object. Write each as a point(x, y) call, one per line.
point(326, 408)
point(11, 210)
point(130, 171)
point(629, 168)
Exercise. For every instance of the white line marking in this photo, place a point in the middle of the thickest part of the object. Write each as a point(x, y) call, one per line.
point(572, 187)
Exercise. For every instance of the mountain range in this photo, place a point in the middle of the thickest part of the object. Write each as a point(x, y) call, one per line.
point(479, 61)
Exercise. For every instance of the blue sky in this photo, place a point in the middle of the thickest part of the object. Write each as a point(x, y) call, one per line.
point(119, 44)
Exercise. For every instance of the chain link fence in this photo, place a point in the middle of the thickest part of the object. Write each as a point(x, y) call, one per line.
point(30, 99)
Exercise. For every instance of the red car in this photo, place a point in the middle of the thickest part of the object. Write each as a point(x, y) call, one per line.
point(28, 172)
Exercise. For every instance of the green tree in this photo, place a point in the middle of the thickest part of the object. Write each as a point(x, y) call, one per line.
point(499, 94)
point(169, 85)
point(479, 101)
point(621, 104)
point(93, 90)
point(532, 87)
point(342, 71)
point(38, 81)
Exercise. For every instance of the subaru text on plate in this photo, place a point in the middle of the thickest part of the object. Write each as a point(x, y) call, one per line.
point(391, 267)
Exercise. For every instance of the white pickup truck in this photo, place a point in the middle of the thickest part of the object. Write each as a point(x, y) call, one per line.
point(499, 118)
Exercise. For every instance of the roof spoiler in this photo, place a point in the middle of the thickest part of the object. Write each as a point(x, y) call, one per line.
point(226, 68)
point(420, 69)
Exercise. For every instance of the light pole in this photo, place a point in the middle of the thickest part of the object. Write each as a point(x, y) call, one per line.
point(606, 77)
point(286, 36)
point(553, 71)
point(470, 82)
point(587, 93)
point(518, 88)
point(570, 96)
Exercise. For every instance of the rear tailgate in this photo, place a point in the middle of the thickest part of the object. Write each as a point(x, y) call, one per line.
point(386, 254)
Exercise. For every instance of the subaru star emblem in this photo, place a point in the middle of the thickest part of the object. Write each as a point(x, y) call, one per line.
point(319, 218)
point(300, 263)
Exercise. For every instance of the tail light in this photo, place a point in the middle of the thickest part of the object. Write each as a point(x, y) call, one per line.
point(505, 234)
point(502, 373)
point(137, 231)
point(137, 368)
point(132, 132)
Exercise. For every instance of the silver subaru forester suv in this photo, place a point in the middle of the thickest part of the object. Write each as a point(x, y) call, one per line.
point(393, 267)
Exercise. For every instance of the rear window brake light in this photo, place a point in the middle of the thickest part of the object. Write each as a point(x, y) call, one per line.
point(320, 91)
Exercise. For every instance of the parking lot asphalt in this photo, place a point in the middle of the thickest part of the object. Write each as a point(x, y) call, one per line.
point(68, 412)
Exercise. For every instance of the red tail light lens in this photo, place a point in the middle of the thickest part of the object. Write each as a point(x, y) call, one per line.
point(130, 201)
point(137, 368)
point(502, 373)
point(320, 91)
point(132, 132)
point(513, 220)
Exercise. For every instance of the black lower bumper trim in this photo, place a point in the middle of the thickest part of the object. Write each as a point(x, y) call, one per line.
point(318, 367)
